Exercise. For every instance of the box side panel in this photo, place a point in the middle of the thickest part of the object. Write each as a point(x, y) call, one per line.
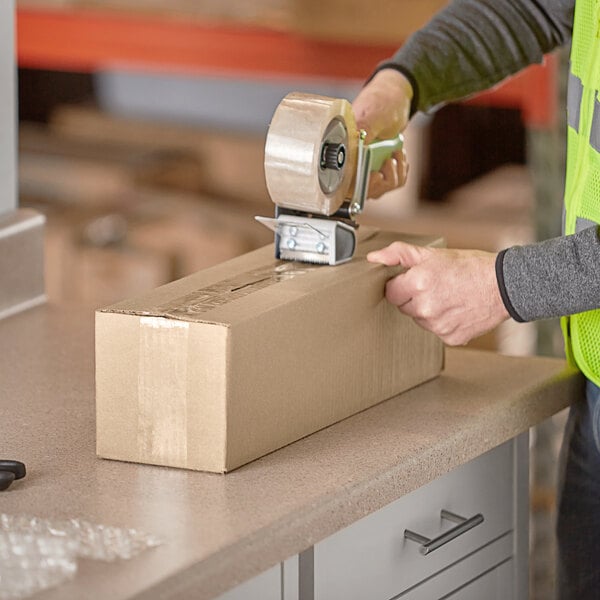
point(207, 397)
point(304, 366)
point(117, 359)
point(160, 391)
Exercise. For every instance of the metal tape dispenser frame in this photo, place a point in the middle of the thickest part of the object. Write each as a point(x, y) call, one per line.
point(317, 169)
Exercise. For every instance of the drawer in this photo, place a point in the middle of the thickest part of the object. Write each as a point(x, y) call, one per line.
point(372, 559)
point(473, 568)
point(496, 584)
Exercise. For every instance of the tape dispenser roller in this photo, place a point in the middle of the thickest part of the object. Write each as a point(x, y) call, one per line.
point(317, 168)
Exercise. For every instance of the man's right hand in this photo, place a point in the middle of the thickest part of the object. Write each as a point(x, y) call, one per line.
point(382, 109)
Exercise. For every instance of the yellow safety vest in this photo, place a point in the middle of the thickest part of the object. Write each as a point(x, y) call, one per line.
point(582, 190)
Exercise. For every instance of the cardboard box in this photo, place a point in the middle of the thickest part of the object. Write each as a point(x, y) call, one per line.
point(231, 363)
point(215, 151)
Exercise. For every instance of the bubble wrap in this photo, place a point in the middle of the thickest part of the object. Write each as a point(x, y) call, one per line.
point(36, 554)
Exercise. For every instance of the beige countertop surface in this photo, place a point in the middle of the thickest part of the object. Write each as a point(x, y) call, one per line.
point(219, 530)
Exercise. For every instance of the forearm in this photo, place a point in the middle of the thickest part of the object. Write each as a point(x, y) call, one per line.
point(554, 278)
point(473, 44)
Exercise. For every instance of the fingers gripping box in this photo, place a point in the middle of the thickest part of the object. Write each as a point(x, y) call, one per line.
point(226, 365)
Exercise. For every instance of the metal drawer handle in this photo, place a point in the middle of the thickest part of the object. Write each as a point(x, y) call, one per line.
point(429, 545)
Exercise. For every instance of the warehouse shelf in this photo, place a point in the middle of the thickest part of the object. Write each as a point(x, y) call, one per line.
point(88, 40)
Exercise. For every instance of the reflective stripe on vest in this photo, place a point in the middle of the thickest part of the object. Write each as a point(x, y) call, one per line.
point(595, 131)
point(582, 224)
point(582, 198)
point(574, 92)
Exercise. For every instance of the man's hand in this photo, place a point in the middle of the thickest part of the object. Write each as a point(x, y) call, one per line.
point(382, 109)
point(452, 293)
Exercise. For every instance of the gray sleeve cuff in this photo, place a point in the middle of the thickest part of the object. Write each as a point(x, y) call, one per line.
point(554, 278)
point(502, 287)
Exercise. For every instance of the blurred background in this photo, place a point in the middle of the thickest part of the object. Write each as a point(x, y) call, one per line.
point(142, 128)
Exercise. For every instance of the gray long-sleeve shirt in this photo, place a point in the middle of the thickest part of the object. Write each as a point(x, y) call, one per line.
point(468, 47)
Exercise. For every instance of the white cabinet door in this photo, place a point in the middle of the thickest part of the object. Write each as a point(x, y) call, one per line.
point(266, 586)
point(291, 578)
point(279, 583)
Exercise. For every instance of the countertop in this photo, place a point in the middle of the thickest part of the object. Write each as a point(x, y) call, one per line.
point(220, 530)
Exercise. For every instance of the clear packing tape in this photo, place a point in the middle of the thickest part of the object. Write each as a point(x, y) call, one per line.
point(36, 554)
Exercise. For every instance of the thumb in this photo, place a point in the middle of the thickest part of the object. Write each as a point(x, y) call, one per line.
point(399, 253)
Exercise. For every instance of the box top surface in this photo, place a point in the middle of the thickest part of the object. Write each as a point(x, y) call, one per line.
point(215, 295)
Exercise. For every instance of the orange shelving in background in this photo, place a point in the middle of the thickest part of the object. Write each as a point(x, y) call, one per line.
point(88, 40)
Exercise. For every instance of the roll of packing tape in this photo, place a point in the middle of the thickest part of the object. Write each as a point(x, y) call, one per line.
point(293, 153)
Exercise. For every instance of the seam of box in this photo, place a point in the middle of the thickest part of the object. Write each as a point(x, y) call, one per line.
point(226, 403)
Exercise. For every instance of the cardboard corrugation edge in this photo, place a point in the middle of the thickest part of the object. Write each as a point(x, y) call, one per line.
point(109, 415)
point(210, 419)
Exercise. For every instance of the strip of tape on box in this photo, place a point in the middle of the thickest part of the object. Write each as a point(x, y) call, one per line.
point(162, 390)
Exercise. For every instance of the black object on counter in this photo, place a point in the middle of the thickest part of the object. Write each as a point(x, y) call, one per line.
point(9, 471)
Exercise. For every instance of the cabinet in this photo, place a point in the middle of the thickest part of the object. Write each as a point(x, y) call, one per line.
point(374, 559)
point(266, 586)
point(484, 556)
point(278, 583)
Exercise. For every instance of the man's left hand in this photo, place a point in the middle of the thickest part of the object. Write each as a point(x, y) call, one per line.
point(452, 293)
